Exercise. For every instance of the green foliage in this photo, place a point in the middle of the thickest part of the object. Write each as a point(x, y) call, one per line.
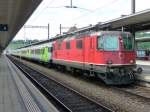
point(20, 43)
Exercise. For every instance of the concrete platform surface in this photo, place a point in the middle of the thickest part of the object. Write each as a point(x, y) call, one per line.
point(145, 76)
point(17, 93)
point(143, 62)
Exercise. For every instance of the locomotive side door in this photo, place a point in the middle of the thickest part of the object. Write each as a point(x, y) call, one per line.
point(91, 50)
point(91, 55)
point(88, 51)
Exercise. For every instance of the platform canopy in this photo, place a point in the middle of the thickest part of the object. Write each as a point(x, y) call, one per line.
point(13, 15)
point(139, 21)
point(143, 39)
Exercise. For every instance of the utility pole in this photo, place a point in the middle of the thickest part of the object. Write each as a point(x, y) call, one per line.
point(71, 4)
point(133, 27)
point(48, 30)
point(133, 6)
point(24, 35)
point(60, 29)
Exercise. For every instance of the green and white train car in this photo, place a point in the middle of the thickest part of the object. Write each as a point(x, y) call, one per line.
point(39, 51)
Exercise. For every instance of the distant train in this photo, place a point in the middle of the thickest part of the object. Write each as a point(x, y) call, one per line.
point(143, 54)
point(108, 55)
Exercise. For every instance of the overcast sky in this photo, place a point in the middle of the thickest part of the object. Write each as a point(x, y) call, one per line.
point(88, 12)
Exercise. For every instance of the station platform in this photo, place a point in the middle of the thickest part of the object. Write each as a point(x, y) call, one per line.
point(143, 62)
point(17, 93)
point(144, 78)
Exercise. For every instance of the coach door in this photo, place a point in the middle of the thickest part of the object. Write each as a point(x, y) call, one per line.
point(45, 54)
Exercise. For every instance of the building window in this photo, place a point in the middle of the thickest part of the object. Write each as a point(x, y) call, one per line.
point(79, 44)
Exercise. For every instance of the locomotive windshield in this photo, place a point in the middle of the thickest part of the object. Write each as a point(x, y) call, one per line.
point(127, 42)
point(108, 42)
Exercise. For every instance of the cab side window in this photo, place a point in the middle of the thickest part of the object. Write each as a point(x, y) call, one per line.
point(100, 42)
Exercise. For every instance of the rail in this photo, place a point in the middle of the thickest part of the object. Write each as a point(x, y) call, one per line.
point(68, 99)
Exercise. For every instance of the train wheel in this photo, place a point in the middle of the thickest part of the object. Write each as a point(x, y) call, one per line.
point(139, 70)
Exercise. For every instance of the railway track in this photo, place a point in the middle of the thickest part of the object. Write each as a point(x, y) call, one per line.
point(65, 98)
point(139, 91)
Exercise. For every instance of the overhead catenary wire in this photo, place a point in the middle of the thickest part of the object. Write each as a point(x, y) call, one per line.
point(73, 7)
point(88, 10)
point(91, 11)
point(43, 10)
point(87, 14)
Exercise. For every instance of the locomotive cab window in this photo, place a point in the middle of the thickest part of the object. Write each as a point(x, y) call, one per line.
point(99, 42)
point(127, 42)
point(111, 42)
point(79, 44)
point(108, 42)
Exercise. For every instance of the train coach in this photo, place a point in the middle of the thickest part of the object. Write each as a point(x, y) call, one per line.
point(143, 54)
point(108, 55)
point(40, 52)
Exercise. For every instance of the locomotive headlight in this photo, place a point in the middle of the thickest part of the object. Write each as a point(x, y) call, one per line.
point(109, 62)
point(131, 61)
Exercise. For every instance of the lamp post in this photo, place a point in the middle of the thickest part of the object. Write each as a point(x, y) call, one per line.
point(48, 30)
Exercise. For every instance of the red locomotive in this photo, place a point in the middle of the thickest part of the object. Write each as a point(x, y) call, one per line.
point(108, 55)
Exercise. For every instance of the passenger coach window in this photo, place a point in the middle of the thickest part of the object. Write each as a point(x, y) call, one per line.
point(32, 51)
point(79, 44)
point(100, 42)
point(67, 44)
point(38, 51)
point(50, 49)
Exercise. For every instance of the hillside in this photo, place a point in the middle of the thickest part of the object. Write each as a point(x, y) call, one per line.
point(19, 43)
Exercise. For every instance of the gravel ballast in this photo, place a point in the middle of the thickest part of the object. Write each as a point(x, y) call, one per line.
point(117, 100)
